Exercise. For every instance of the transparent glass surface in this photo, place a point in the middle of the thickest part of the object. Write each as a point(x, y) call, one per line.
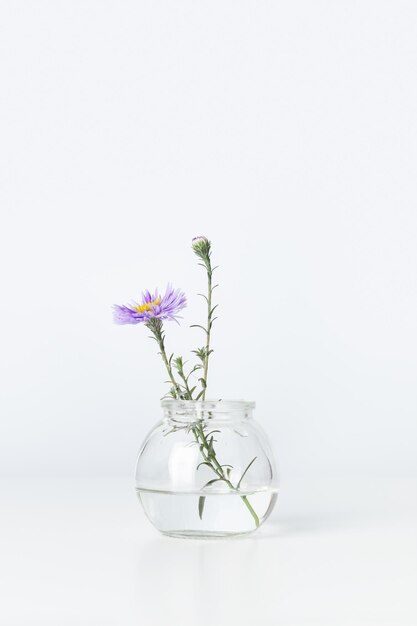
point(206, 470)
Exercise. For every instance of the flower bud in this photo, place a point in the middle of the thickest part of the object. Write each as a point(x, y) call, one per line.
point(201, 246)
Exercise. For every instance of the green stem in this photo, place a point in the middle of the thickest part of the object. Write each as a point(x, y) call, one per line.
point(251, 510)
point(207, 355)
point(169, 370)
point(157, 331)
point(217, 468)
point(186, 386)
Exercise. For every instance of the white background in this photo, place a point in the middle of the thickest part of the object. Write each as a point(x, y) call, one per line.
point(287, 133)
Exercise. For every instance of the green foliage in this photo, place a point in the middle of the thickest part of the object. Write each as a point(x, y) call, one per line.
point(201, 502)
point(222, 472)
point(241, 478)
point(181, 388)
point(211, 482)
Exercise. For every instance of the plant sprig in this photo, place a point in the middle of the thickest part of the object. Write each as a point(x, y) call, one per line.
point(202, 249)
point(181, 389)
point(151, 311)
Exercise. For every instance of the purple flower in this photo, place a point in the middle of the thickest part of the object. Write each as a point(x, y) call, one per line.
point(152, 306)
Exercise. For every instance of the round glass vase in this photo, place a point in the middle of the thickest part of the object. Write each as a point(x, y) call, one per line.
point(206, 470)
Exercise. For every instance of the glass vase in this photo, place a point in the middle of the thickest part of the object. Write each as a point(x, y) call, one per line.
point(206, 470)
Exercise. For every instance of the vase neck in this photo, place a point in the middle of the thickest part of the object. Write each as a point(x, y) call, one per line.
point(195, 410)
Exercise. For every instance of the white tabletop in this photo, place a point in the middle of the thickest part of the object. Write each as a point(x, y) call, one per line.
point(80, 552)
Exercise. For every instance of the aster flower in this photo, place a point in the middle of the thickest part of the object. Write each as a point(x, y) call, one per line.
point(152, 306)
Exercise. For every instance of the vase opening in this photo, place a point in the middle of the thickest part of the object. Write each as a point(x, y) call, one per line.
point(194, 410)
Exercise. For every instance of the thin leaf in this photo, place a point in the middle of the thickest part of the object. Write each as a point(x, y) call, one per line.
point(254, 459)
point(213, 431)
point(201, 353)
point(195, 368)
point(199, 326)
point(201, 502)
point(204, 463)
point(168, 432)
point(211, 482)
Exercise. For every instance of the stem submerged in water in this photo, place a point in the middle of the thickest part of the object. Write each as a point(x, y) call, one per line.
point(210, 458)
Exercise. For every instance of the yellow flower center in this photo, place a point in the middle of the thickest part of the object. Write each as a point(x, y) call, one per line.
point(148, 306)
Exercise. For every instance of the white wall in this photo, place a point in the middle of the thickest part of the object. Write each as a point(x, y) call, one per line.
point(287, 133)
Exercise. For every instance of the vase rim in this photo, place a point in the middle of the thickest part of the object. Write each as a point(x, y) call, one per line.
point(217, 406)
